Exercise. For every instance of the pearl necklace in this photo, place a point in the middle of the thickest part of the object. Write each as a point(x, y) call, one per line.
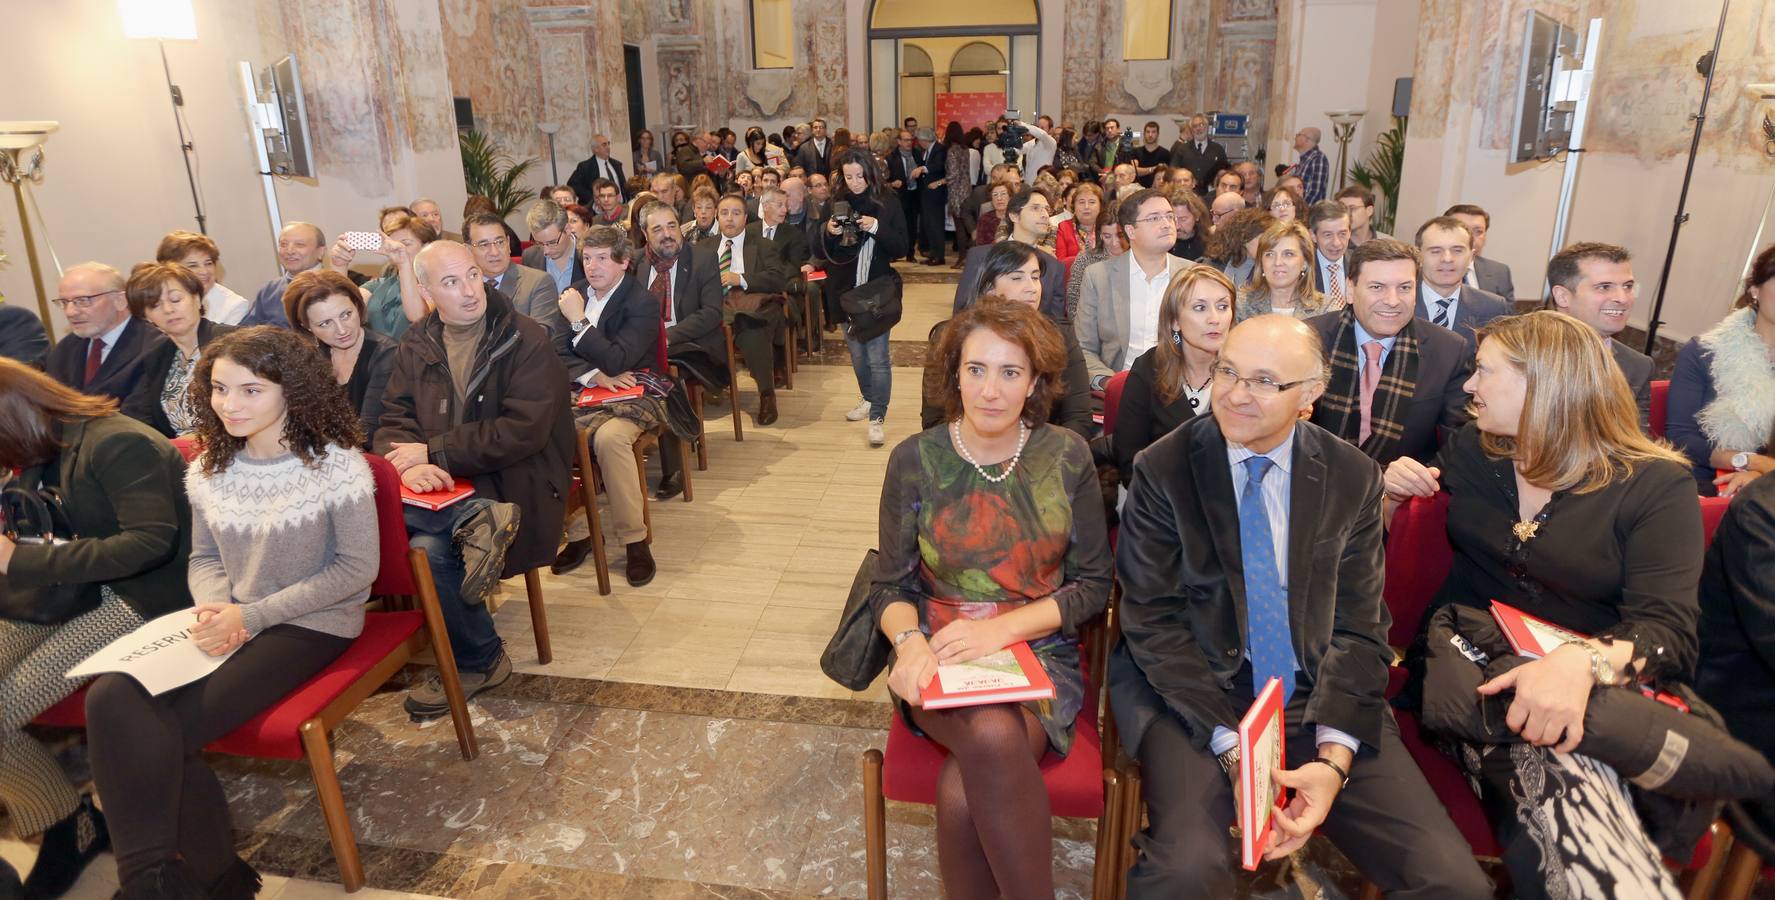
point(1022, 438)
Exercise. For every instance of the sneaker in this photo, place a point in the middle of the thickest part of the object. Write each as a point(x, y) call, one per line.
point(858, 414)
point(427, 701)
point(482, 540)
point(877, 433)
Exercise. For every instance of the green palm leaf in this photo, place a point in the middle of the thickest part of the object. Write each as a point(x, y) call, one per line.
point(1381, 170)
point(490, 171)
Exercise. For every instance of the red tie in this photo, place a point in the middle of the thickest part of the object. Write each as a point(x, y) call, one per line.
point(662, 285)
point(95, 356)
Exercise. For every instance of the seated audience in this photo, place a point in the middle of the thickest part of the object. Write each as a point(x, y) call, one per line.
point(531, 291)
point(394, 301)
point(1109, 244)
point(168, 296)
point(992, 533)
point(1011, 271)
point(1123, 180)
point(300, 247)
point(607, 203)
point(1174, 381)
point(989, 228)
point(479, 204)
point(1191, 215)
point(123, 490)
point(1360, 202)
point(1285, 203)
point(1209, 543)
point(1485, 274)
point(790, 239)
point(1232, 245)
point(511, 437)
point(1078, 234)
point(745, 263)
point(579, 221)
point(22, 336)
point(431, 214)
point(1722, 393)
point(1394, 382)
point(107, 349)
point(199, 253)
point(688, 288)
point(553, 250)
point(1594, 283)
point(1250, 184)
point(1030, 222)
point(866, 266)
point(1231, 181)
point(276, 440)
point(1445, 248)
point(324, 304)
point(1564, 509)
point(1118, 311)
point(1280, 282)
point(1329, 224)
point(702, 208)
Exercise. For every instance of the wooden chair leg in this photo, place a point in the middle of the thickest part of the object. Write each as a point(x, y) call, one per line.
point(1742, 870)
point(1698, 884)
point(439, 639)
point(588, 492)
point(332, 804)
point(539, 617)
point(1369, 891)
point(733, 383)
point(1103, 869)
point(684, 466)
point(641, 472)
point(1132, 806)
point(874, 827)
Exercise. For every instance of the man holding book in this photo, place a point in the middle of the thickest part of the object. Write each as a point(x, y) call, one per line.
point(1224, 589)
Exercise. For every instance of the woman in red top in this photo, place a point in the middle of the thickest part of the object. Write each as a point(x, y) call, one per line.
point(1079, 233)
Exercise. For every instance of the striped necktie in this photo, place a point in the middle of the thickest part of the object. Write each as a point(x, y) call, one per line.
point(726, 260)
point(1442, 305)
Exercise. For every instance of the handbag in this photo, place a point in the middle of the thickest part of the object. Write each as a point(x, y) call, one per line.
point(37, 516)
point(858, 650)
point(873, 307)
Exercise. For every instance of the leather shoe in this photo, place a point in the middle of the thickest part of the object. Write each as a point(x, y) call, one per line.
point(571, 556)
point(639, 568)
point(767, 408)
point(670, 486)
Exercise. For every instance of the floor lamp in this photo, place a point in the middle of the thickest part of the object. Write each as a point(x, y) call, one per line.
point(551, 129)
point(21, 165)
point(162, 21)
point(1343, 124)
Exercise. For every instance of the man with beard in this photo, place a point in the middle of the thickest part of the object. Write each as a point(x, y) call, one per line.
point(690, 302)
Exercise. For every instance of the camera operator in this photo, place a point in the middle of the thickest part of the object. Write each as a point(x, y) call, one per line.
point(1035, 146)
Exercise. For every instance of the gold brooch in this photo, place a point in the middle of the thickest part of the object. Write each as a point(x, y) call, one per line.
point(1525, 530)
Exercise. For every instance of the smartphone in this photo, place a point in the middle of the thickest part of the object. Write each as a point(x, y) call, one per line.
point(363, 240)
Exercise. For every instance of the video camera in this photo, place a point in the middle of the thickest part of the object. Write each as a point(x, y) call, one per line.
point(1012, 137)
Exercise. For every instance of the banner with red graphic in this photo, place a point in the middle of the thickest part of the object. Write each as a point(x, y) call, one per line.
point(971, 109)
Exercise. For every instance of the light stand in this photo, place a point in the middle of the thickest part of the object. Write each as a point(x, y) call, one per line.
point(21, 171)
point(551, 129)
point(1343, 124)
point(185, 145)
point(162, 21)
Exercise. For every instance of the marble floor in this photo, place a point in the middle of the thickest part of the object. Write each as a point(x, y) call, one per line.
point(683, 743)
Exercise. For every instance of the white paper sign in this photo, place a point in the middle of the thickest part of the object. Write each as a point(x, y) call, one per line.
point(161, 655)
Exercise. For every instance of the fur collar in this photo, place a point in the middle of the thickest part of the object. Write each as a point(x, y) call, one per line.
point(1743, 382)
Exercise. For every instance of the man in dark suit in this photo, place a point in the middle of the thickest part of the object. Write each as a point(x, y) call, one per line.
point(690, 299)
point(746, 263)
point(1446, 248)
point(918, 174)
point(1225, 588)
point(1028, 213)
point(815, 154)
point(21, 336)
point(1395, 379)
point(529, 291)
point(107, 351)
point(1486, 274)
point(552, 250)
point(904, 165)
point(1204, 158)
point(1329, 223)
point(598, 165)
point(1594, 283)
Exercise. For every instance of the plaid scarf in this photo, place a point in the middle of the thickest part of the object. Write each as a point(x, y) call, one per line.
point(1340, 409)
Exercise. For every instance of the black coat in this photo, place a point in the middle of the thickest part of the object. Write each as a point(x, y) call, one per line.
point(1143, 417)
point(514, 436)
point(1736, 672)
point(809, 158)
point(143, 403)
point(22, 337)
point(123, 365)
point(1205, 165)
point(791, 241)
point(890, 241)
point(1439, 401)
point(696, 304)
point(586, 174)
point(627, 334)
point(369, 379)
point(766, 272)
point(1183, 587)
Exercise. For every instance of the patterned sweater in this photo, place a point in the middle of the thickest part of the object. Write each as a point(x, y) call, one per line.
point(291, 543)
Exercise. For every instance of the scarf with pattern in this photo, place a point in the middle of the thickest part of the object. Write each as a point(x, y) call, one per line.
point(1340, 409)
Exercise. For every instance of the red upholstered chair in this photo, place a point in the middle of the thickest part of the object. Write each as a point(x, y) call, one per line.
point(1660, 403)
point(1112, 400)
point(1713, 509)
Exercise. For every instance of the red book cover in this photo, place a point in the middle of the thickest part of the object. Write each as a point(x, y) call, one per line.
point(1260, 755)
point(1531, 636)
point(436, 500)
point(815, 275)
point(597, 396)
point(1011, 675)
point(718, 165)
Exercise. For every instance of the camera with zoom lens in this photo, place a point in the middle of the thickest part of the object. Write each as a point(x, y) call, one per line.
point(1012, 137)
point(848, 230)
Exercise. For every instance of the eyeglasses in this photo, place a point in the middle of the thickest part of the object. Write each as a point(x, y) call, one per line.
point(85, 302)
point(550, 245)
point(490, 244)
point(1154, 218)
point(1262, 386)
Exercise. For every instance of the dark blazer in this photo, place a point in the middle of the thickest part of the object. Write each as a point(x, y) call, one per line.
point(143, 403)
point(1494, 276)
point(792, 246)
point(1736, 672)
point(1439, 400)
point(890, 238)
point(696, 304)
point(1143, 417)
point(123, 365)
point(22, 337)
point(1205, 166)
point(765, 271)
point(810, 159)
point(369, 379)
point(1053, 281)
point(627, 334)
point(586, 174)
point(125, 490)
point(897, 171)
point(1637, 367)
point(1473, 309)
point(1183, 587)
point(534, 259)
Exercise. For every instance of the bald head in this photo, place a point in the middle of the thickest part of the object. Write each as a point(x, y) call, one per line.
point(299, 246)
point(450, 280)
point(1225, 204)
point(1264, 352)
point(1306, 139)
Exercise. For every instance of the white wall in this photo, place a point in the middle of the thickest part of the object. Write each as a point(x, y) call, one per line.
point(1336, 44)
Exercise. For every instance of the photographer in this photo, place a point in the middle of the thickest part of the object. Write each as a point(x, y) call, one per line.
point(1028, 148)
point(863, 235)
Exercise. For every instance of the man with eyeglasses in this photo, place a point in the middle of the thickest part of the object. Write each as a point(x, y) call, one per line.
point(553, 248)
point(1223, 590)
point(300, 247)
point(1029, 215)
point(107, 349)
point(529, 290)
point(1395, 379)
point(1118, 314)
point(1225, 204)
point(585, 177)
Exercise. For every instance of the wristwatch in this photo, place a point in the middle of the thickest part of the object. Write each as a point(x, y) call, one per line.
point(902, 636)
point(1600, 668)
point(1741, 460)
point(1229, 760)
point(581, 324)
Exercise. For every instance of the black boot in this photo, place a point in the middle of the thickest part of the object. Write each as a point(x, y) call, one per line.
point(10, 888)
point(68, 846)
point(169, 880)
point(240, 882)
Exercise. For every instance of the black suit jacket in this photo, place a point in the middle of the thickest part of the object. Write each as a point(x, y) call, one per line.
point(1204, 165)
point(123, 366)
point(810, 159)
point(143, 403)
point(1637, 368)
point(22, 337)
point(791, 241)
point(765, 271)
point(1183, 609)
point(1439, 400)
point(696, 303)
point(627, 334)
point(586, 173)
point(1473, 309)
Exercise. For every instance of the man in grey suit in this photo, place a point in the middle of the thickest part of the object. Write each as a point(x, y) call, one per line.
point(1118, 312)
point(1594, 282)
point(1486, 274)
point(1028, 213)
point(531, 291)
point(1446, 248)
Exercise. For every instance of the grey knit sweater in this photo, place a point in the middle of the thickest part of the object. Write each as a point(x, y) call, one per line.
point(291, 543)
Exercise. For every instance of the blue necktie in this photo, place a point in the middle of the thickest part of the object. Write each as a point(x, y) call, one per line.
point(1266, 603)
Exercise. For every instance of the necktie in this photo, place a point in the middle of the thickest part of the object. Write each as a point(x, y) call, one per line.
point(662, 287)
point(95, 356)
point(1267, 632)
point(1201, 147)
point(1334, 286)
point(1442, 305)
point(1371, 379)
point(726, 260)
point(770, 232)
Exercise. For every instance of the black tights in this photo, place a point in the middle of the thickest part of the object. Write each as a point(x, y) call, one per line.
point(147, 752)
point(992, 767)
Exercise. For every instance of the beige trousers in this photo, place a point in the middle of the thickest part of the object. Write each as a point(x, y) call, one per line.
point(613, 447)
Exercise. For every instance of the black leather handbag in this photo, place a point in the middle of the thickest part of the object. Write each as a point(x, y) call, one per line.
point(858, 650)
point(37, 517)
point(873, 307)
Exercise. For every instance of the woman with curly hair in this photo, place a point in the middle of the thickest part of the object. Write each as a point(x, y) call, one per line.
point(283, 551)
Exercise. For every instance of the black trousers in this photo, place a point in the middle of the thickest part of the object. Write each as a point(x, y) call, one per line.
point(909, 207)
point(161, 799)
point(1386, 821)
point(931, 221)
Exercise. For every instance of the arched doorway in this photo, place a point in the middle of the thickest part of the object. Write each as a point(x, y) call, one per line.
point(982, 56)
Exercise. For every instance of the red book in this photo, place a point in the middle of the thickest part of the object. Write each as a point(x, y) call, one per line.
point(1011, 675)
point(717, 165)
point(815, 275)
point(598, 396)
point(1531, 636)
point(1260, 755)
point(436, 500)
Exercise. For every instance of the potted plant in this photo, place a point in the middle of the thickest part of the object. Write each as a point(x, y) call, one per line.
point(1380, 172)
point(491, 172)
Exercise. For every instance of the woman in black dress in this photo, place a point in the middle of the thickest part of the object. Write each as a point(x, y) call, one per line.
point(1562, 508)
point(1172, 382)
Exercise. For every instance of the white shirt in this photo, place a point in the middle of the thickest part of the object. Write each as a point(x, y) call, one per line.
point(223, 306)
point(595, 306)
point(1145, 295)
point(1431, 299)
point(606, 170)
point(1343, 274)
point(111, 338)
point(1038, 154)
point(672, 307)
point(738, 266)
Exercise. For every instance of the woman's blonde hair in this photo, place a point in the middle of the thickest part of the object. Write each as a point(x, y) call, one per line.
point(1307, 299)
point(1579, 429)
point(1168, 356)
